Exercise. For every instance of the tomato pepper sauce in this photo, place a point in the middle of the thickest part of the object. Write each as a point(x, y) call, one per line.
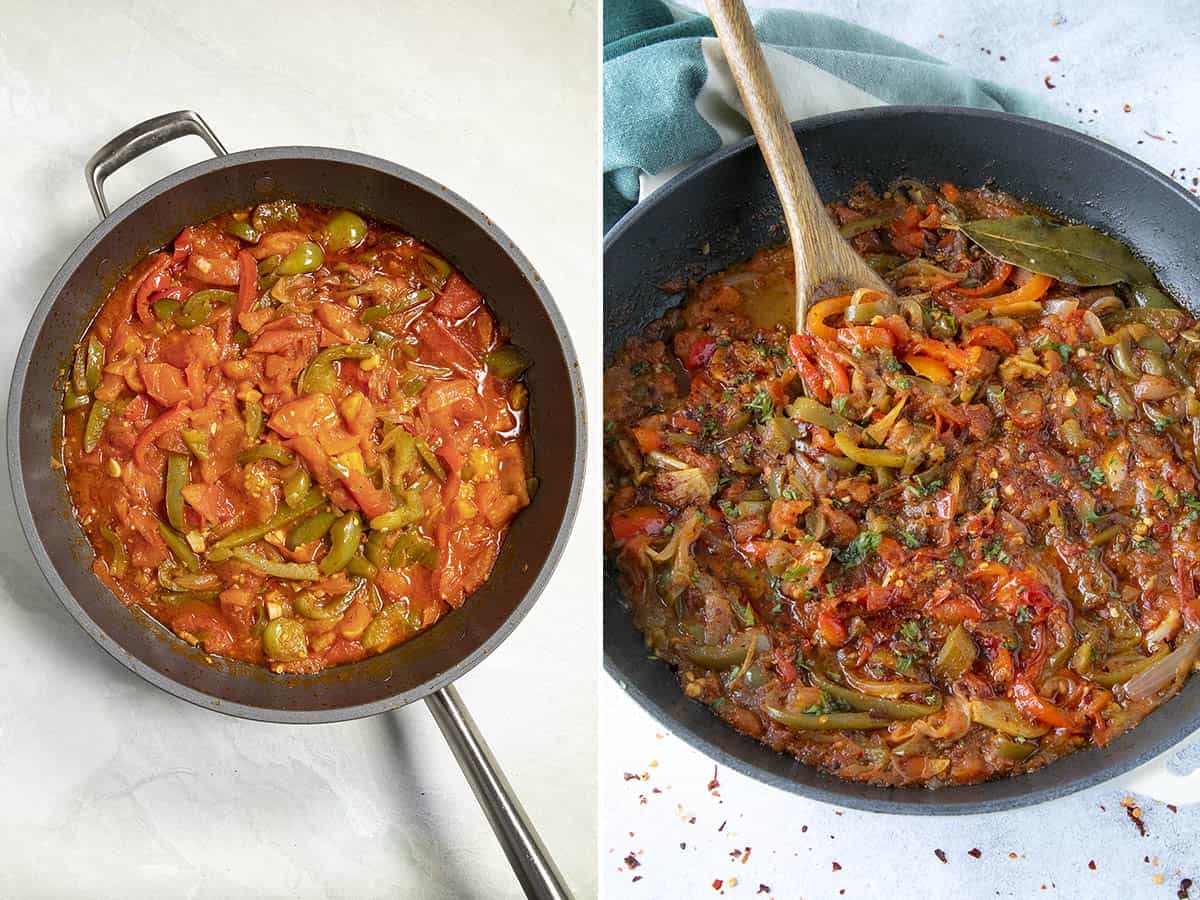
point(295, 437)
point(943, 536)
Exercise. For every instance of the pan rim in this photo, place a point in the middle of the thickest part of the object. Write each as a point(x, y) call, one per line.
point(841, 792)
point(171, 684)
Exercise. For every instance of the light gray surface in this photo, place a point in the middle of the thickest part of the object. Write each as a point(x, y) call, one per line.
point(110, 788)
point(657, 804)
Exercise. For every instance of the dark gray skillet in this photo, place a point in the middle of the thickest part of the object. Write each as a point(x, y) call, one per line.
point(722, 209)
point(423, 668)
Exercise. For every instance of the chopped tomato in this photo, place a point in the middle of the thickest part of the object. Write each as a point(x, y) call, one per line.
point(458, 299)
point(639, 520)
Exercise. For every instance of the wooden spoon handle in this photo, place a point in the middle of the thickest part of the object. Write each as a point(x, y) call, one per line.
point(823, 259)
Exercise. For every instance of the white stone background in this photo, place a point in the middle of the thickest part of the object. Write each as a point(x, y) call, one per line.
point(760, 841)
point(110, 788)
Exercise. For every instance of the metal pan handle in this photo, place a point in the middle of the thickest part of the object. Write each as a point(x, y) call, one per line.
point(133, 142)
point(526, 854)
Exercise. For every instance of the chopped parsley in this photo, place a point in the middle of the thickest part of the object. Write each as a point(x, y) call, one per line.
point(762, 406)
point(911, 631)
point(796, 572)
point(1161, 423)
point(727, 509)
point(744, 613)
point(1103, 400)
point(839, 405)
point(1056, 477)
point(995, 551)
point(918, 488)
point(1144, 544)
point(910, 540)
point(1046, 343)
point(1024, 614)
point(904, 662)
point(827, 705)
point(709, 428)
point(1092, 516)
point(860, 549)
point(1094, 476)
point(957, 558)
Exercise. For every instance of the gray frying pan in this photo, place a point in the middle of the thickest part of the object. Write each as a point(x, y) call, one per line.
point(724, 208)
point(425, 667)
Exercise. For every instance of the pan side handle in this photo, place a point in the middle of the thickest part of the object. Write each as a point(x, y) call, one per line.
point(133, 142)
point(539, 877)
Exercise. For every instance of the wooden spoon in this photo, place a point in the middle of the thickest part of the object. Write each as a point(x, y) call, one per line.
point(826, 264)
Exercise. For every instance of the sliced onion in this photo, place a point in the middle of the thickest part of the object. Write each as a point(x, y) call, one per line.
point(860, 681)
point(1061, 306)
point(1095, 326)
point(1150, 681)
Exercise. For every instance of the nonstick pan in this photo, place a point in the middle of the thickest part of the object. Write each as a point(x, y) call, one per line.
point(719, 211)
point(423, 668)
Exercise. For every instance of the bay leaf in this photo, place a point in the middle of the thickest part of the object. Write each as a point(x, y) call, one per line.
point(1075, 254)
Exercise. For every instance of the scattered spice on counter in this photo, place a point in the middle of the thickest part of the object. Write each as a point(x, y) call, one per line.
point(1171, 806)
point(1135, 814)
point(1092, 864)
point(1050, 84)
point(1157, 137)
point(975, 852)
point(717, 883)
point(766, 889)
point(1128, 108)
point(1054, 58)
point(1185, 887)
point(837, 866)
point(940, 854)
point(629, 776)
point(723, 824)
point(714, 784)
point(632, 861)
point(1003, 58)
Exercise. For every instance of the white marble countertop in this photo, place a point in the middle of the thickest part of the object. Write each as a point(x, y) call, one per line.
point(110, 788)
point(743, 839)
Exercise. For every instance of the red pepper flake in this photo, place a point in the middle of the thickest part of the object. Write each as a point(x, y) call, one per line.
point(837, 866)
point(1128, 108)
point(940, 854)
point(629, 776)
point(637, 878)
point(1185, 887)
point(1135, 814)
point(1171, 806)
point(975, 852)
point(766, 888)
point(746, 856)
point(632, 861)
point(714, 784)
point(717, 882)
point(1050, 84)
point(1054, 58)
point(1156, 137)
point(1092, 864)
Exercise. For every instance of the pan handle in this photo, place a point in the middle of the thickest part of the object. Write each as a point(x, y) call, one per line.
point(133, 142)
point(533, 866)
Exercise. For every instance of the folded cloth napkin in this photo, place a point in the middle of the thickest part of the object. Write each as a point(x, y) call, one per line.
point(669, 98)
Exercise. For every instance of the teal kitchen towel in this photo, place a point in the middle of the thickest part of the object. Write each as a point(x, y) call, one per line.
point(669, 98)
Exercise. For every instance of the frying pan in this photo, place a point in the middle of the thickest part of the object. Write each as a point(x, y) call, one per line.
point(722, 209)
point(423, 668)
